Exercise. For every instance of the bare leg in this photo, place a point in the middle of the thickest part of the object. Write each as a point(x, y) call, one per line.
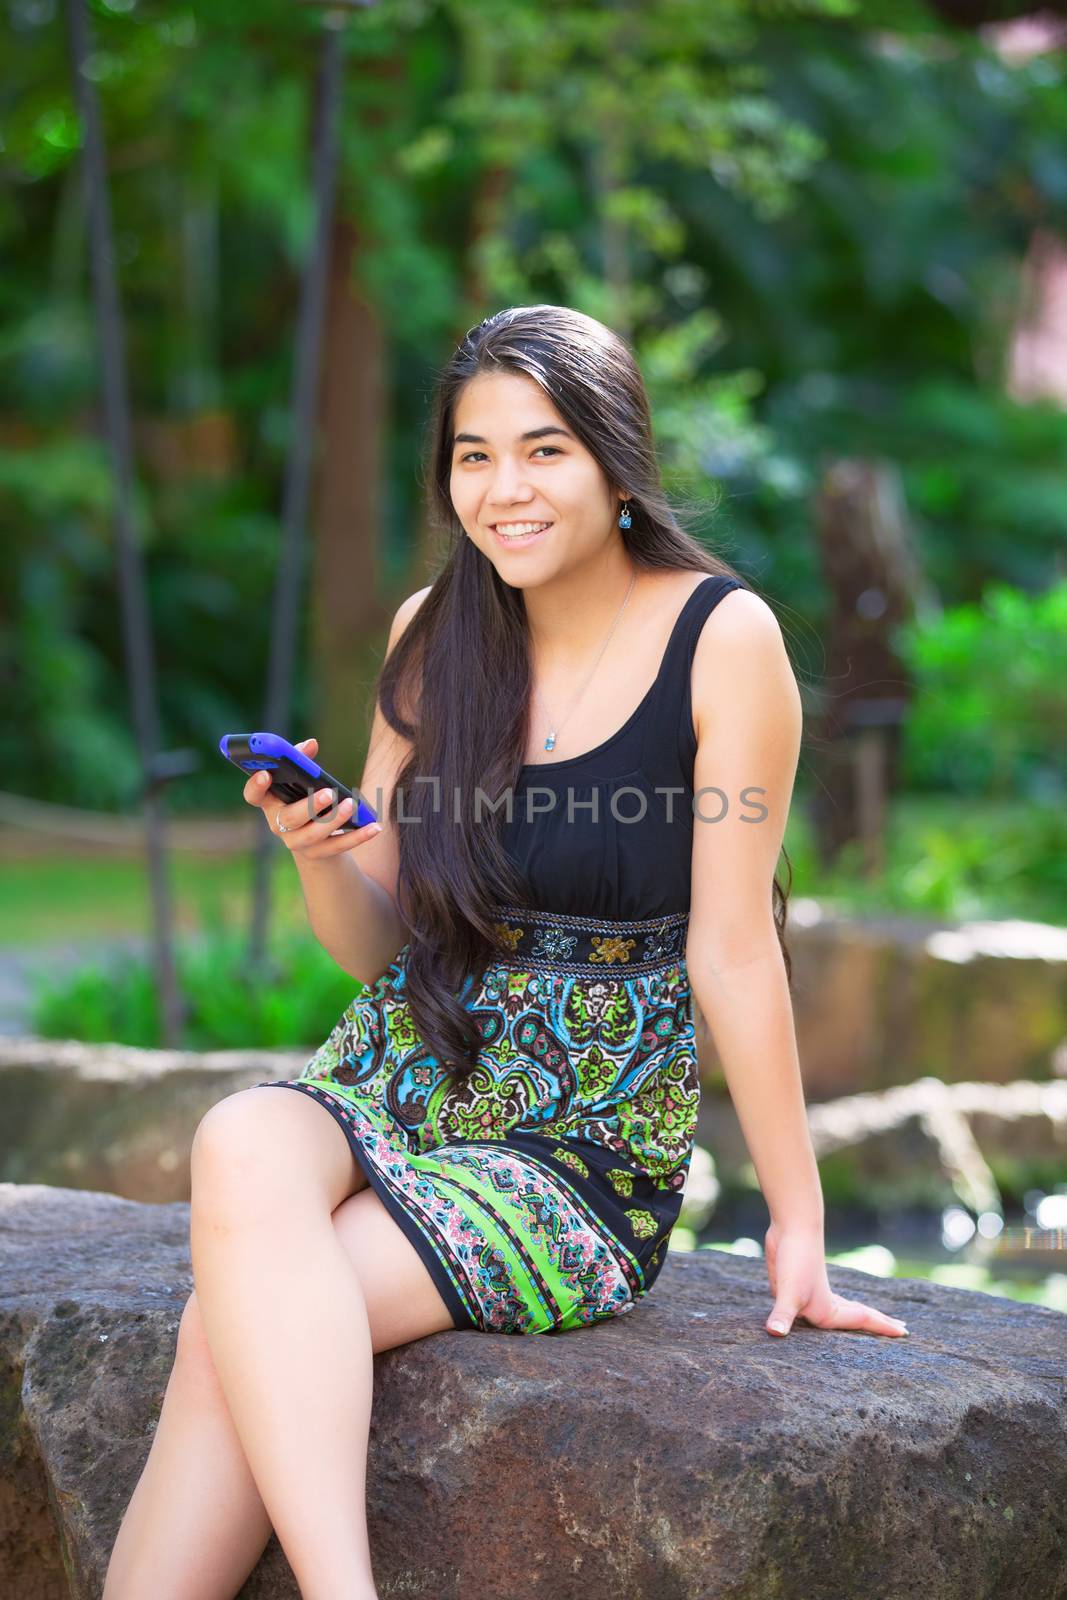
point(287, 1325)
point(197, 1520)
point(196, 1524)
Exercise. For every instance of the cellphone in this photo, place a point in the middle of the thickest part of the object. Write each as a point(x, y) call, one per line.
point(293, 774)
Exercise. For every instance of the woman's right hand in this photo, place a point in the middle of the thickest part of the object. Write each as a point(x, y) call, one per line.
point(309, 837)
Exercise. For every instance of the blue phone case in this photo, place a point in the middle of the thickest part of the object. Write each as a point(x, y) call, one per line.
point(293, 774)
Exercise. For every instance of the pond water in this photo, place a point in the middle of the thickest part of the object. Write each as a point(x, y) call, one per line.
point(921, 1243)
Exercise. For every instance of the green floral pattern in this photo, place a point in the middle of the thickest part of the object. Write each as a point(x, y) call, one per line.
point(642, 1222)
point(573, 1161)
point(589, 1069)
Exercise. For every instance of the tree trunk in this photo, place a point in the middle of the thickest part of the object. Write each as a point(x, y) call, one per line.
point(874, 581)
point(348, 618)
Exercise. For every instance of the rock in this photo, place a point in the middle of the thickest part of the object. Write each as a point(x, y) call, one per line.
point(679, 1453)
point(115, 1117)
point(881, 1001)
point(926, 1144)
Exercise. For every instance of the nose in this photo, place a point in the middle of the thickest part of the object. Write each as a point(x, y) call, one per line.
point(507, 488)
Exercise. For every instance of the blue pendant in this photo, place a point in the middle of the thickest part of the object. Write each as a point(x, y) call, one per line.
point(550, 742)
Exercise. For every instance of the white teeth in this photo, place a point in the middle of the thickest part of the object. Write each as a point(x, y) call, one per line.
point(519, 530)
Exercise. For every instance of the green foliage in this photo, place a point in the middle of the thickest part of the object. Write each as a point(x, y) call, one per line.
point(949, 858)
point(807, 218)
point(293, 1006)
point(879, 308)
point(991, 713)
point(210, 588)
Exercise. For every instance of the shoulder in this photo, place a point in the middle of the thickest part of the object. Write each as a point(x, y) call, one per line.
point(740, 617)
point(404, 613)
point(741, 660)
point(408, 692)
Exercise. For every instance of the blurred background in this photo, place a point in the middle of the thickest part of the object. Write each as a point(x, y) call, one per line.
point(238, 243)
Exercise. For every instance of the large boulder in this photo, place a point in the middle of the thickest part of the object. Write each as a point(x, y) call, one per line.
point(883, 1000)
point(679, 1453)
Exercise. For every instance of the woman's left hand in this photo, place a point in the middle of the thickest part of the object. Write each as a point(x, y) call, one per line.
point(796, 1267)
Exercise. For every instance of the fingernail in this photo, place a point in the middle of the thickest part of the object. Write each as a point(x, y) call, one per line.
point(779, 1327)
point(375, 827)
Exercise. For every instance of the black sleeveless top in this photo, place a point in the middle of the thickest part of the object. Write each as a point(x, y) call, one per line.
point(609, 833)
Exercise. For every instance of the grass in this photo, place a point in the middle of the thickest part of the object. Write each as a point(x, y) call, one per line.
point(68, 896)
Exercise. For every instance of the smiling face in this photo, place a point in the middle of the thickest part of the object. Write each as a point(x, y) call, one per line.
point(515, 463)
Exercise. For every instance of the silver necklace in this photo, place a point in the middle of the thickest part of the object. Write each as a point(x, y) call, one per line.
point(550, 742)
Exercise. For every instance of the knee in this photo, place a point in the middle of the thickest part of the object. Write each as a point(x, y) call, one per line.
point(231, 1152)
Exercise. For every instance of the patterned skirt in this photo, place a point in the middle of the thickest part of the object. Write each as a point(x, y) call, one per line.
point(541, 1191)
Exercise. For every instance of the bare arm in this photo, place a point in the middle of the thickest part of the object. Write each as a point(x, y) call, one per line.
point(351, 916)
point(351, 905)
point(747, 712)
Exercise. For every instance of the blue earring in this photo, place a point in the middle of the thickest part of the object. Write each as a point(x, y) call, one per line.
point(625, 518)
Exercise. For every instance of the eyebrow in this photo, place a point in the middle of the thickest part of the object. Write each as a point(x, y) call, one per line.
point(534, 433)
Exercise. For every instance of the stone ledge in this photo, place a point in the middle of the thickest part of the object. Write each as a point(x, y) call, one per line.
point(679, 1453)
point(113, 1116)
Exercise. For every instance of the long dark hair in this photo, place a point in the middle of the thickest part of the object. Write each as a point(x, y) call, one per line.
point(463, 661)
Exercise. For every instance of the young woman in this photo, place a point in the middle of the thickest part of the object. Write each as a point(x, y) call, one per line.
point(584, 742)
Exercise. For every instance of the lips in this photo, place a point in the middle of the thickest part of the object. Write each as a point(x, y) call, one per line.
point(518, 541)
